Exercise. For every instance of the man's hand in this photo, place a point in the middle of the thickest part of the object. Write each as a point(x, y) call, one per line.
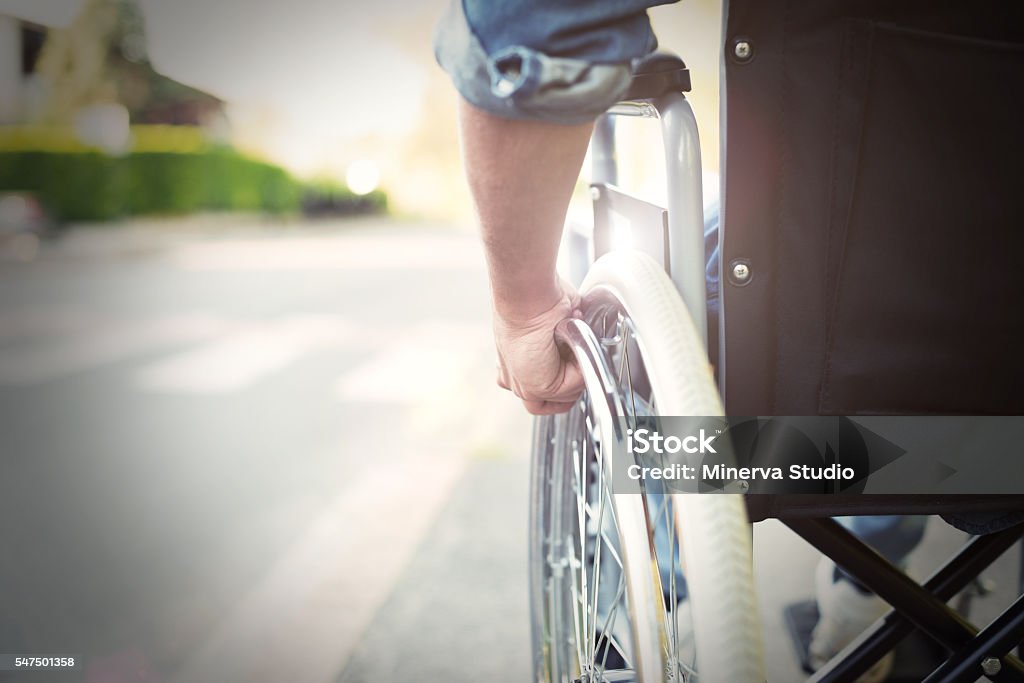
point(531, 365)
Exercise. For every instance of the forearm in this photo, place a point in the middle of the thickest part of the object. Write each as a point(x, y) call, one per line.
point(521, 175)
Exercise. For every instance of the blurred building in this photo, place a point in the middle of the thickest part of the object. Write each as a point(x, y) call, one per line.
point(21, 41)
point(49, 73)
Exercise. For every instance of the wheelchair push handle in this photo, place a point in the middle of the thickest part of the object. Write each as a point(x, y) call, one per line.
point(657, 74)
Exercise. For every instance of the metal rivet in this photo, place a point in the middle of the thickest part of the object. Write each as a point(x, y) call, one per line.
point(739, 272)
point(595, 193)
point(742, 50)
point(991, 666)
point(505, 87)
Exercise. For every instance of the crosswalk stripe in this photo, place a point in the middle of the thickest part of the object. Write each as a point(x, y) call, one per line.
point(238, 360)
point(349, 252)
point(35, 364)
point(425, 363)
point(27, 324)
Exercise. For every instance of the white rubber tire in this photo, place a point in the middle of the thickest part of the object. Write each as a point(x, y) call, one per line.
point(715, 533)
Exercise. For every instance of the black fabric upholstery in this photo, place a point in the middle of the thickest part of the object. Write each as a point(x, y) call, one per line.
point(874, 181)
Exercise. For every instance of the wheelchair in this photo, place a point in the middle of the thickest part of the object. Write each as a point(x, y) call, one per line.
point(608, 597)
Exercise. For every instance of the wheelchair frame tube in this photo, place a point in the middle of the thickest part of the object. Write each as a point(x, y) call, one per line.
point(681, 142)
point(605, 168)
point(946, 582)
point(685, 205)
point(928, 613)
point(994, 641)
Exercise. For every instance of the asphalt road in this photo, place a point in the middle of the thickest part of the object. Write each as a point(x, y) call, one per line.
point(259, 455)
point(246, 453)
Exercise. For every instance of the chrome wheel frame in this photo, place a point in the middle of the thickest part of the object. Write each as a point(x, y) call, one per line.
point(586, 535)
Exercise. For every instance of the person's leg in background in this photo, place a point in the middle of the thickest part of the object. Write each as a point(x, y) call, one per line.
point(845, 607)
point(894, 536)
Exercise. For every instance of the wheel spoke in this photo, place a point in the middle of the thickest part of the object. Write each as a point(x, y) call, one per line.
point(673, 595)
point(584, 467)
point(577, 607)
point(576, 610)
point(621, 650)
point(629, 375)
point(609, 621)
point(601, 497)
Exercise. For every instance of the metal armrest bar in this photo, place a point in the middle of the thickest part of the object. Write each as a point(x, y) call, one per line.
point(950, 579)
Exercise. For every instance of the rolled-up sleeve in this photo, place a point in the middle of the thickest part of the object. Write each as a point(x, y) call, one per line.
point(562, 61)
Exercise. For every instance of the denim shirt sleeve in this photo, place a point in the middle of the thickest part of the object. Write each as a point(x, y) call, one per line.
point(563, 61)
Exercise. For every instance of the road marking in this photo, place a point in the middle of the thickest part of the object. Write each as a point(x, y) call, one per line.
point(24, 324)
point(24, 366)
point(303, 620)
point(239, 360)
point(354, 252)
point(424, 365)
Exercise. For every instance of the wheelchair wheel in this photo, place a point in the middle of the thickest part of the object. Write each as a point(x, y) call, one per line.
point(609, 601)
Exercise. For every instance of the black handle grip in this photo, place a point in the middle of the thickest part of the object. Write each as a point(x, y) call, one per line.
point(657, 74)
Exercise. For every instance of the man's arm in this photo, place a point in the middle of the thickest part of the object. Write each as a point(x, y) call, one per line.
point(521, 175)
point(533, 75)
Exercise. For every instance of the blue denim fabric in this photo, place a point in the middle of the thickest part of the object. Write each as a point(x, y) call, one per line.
point(893, 536)
point(608, 32)
point(563, 61)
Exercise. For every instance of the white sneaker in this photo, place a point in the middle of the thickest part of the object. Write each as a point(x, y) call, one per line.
point(844, 614)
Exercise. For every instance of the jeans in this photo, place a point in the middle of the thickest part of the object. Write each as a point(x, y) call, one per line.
point(564, 62)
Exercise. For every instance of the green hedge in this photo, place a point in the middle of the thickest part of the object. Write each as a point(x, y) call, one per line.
point(92, 186)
